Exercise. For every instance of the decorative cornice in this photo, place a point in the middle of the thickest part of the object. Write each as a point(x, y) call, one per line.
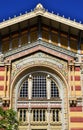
point(39, 10)
point(43, 44)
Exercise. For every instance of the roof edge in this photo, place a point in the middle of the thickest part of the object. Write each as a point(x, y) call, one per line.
point(40, 10)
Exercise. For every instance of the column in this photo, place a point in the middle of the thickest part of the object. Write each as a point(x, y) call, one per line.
point(18, 114)
point(0, 44)
point(19, 42)
point(29, 118)
point(69, 38)
point(69, 81)
point(30, 87)
point(79, 41)
point(48, 116)
point(50, 32)
point(59, 42)
point(82, 84)
point(10, 38)
point(5, 81)
point(59, 115)
point(8, 87)
point(48, 86)
point(39, 28)
point(73, 81)
point(28, 31)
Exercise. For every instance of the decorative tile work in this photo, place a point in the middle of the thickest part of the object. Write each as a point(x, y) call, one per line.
point(40, 57)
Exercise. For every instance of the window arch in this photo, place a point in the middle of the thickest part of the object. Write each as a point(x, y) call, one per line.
point(54, 90)
point(24, 89)
point(39, 87)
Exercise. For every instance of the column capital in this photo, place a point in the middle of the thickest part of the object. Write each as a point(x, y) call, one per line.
point(48, 76)
point(30, 76)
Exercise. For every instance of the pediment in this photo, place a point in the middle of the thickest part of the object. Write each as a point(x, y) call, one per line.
point(41, 47)
point(39, 58)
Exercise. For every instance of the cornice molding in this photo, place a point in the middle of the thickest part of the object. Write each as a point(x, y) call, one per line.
point(42, 46)
point(40, 10)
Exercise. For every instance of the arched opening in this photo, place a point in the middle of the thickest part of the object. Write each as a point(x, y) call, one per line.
point(39, 97)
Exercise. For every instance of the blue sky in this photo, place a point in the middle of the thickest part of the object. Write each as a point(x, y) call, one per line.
point(68, 8)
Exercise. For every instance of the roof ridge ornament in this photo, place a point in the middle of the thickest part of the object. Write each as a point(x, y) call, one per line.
point(39, 7)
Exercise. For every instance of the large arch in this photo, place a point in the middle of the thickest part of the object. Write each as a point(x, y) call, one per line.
point(59, 78)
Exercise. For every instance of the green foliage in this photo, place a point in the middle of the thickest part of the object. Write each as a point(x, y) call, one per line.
point(8, 120)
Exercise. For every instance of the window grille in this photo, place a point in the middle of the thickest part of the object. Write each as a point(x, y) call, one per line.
point(24, 89)
point(54, 90)
point(39, 86)
point(55, 115)
point(38, 115)
point(22, 115)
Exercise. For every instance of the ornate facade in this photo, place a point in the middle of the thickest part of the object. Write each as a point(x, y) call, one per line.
point(41, 70)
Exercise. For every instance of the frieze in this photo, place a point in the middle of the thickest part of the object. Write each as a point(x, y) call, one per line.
point(40, 58)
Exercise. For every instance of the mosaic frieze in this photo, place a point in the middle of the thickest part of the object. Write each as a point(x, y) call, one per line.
point(40, 58)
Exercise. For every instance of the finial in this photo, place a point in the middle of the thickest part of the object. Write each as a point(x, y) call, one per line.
point(20, 14)
point(69, 18)
point(63, 16)
point(74, 20)
point(80, 22)
point(57, 14)
point(39, 6)
point(9, 17)
point(3, 20)
point(14, 16)
point(25, 12)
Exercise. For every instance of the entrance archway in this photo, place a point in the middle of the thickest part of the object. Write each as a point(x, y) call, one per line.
point(45, 111)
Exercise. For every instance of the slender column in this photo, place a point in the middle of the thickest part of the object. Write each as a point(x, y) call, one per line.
point(69, 38)
point(59, 42)
point(48, 116)
point(30, 87)
point(28, 31)
point(39, 28)
point(8, 87)
point(18, 114)
point(29, 118)
point(10, 38)
point(79, 41)
point(73, 80)
point(50, 32)
point(19, 42)
point(5, 81)
point(82, 84)
point(69, 80)
point(48, 85)
point(0, 44)
point(59, 115)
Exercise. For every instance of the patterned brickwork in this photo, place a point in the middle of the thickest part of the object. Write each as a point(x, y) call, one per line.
point(76, 119)
point(76, 109)
point(4, 79)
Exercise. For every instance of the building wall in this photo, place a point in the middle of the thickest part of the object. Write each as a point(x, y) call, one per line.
point(68, 72)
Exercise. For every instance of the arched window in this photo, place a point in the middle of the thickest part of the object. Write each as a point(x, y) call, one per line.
point(39, 86)
point(54, 90)
point(24, 89)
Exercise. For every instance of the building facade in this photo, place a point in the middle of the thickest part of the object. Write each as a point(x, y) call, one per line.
point(41, 70)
